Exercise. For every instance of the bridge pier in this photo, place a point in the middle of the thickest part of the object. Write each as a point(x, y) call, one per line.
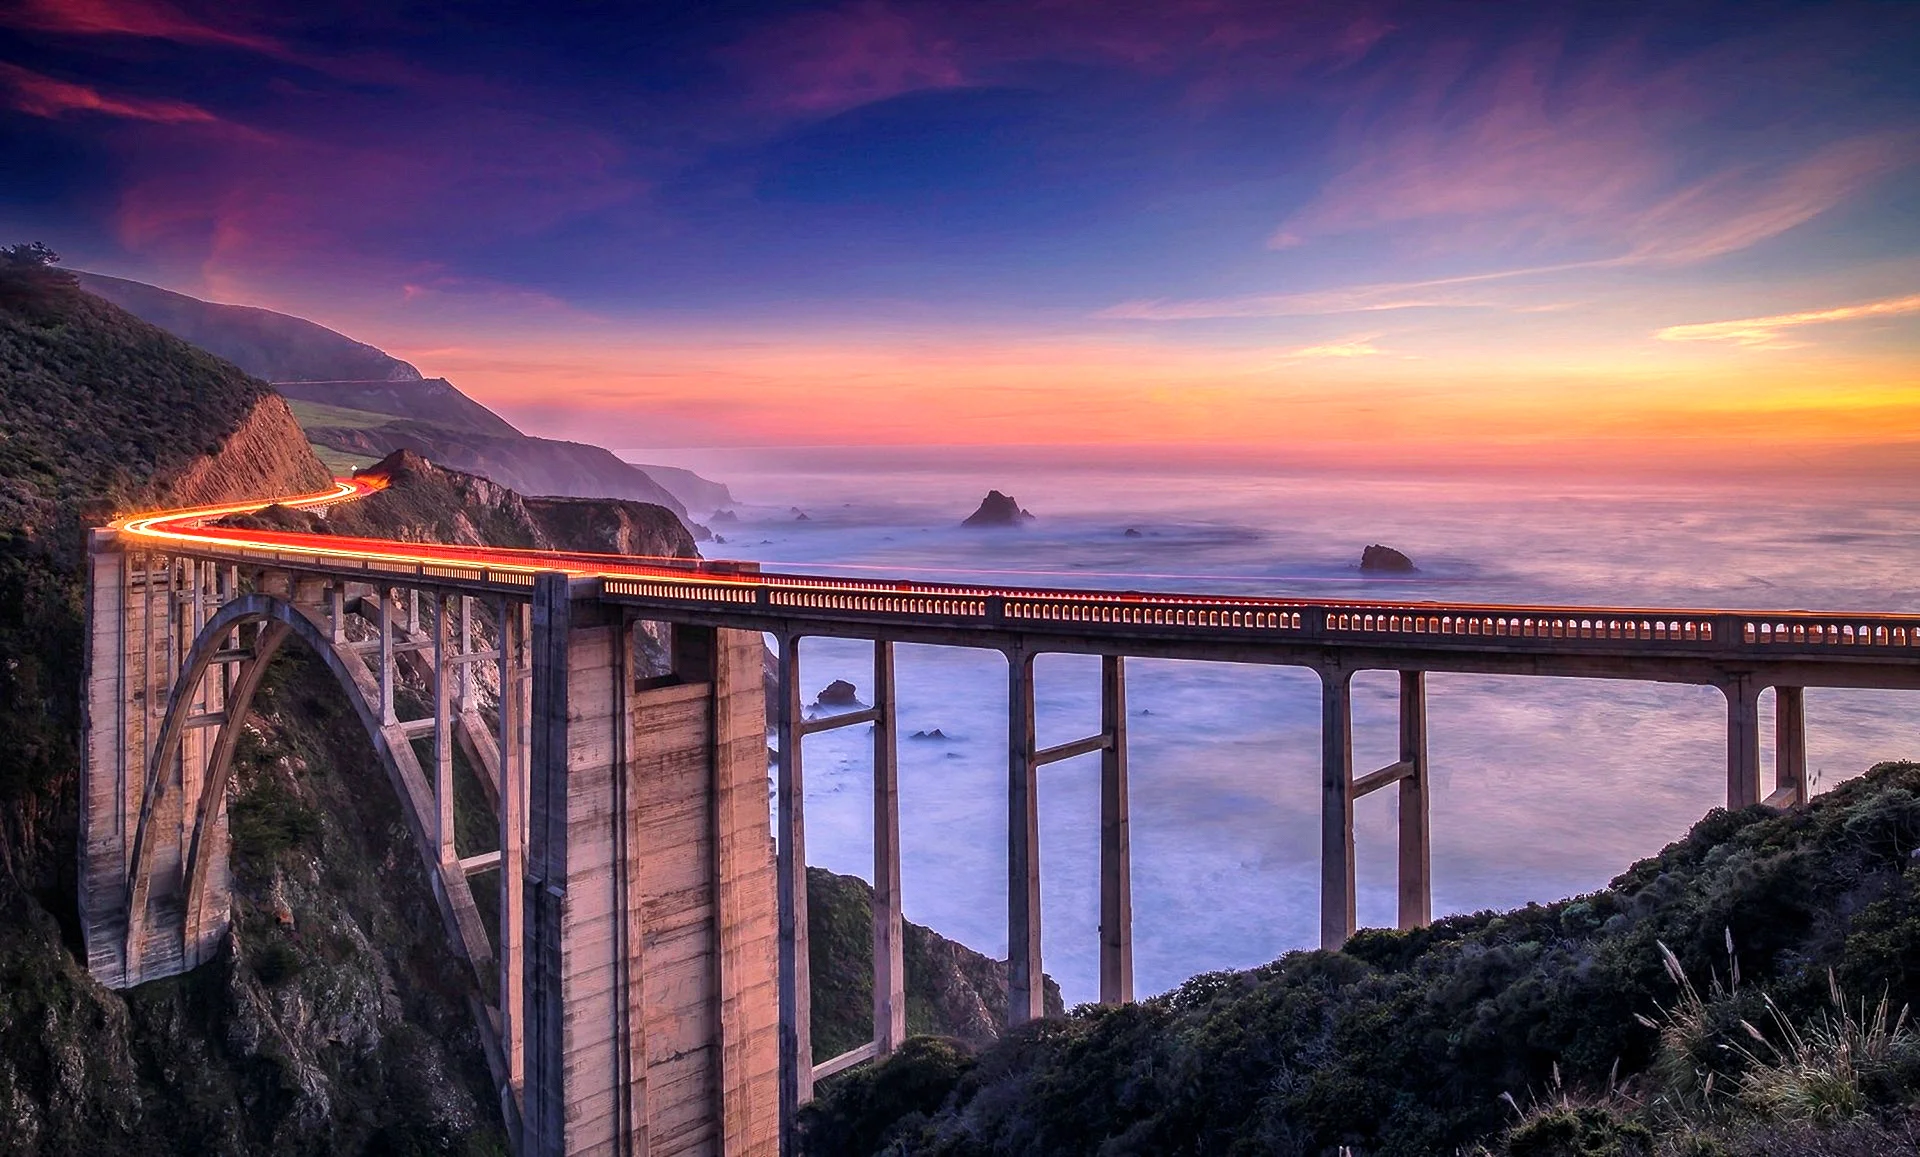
point(1339, 790)
point(795, 977)
point(1026, 991)
point(651, 1008)
point(1116, 840)
point(1743, 740)
point(1790, 786)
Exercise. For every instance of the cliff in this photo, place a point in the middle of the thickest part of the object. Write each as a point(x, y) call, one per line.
point(529, 465)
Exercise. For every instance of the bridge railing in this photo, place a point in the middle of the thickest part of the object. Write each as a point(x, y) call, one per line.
point(742, 587)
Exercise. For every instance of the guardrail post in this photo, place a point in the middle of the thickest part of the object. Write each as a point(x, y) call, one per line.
point(1336, 807)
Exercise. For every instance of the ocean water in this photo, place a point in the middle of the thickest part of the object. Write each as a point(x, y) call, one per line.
point(1542, 788)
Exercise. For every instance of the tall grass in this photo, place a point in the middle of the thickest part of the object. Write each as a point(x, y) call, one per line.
point(1824, 1070)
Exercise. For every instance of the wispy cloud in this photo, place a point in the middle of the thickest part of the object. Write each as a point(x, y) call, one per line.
point(1467, 291)
point(44, 96)
point(149, 19)
point(1543, 153)
point(1360, 346)
point(1767, 332)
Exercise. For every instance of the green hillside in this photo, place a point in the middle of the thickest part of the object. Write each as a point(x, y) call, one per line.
point(1412, 1043)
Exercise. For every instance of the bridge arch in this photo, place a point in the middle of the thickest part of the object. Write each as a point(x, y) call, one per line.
point(276, 620)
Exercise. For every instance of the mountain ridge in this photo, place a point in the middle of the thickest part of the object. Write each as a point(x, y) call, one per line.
point(310, 362)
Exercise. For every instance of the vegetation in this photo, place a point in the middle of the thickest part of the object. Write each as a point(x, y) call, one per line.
point(1565, 1029)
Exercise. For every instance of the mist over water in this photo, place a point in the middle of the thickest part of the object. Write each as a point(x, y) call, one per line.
point(1543, 788)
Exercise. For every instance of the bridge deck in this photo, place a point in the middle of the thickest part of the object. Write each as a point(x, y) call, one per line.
point(1658, 643)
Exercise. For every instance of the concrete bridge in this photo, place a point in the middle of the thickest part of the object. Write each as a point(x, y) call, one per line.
point(644, 988)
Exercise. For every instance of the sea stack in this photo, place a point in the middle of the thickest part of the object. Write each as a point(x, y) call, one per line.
point(1377, 559)
point(838, 693)
point(998, 509)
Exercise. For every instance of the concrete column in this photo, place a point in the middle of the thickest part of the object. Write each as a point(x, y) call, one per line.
point(1336, 807)
point(796, 997)
point(387, 716)
point(513, 735)
point(1743, 741)
point(1416, 854)
point(443, 675)
point(543, 1101)
point(469, 678)
point(889, 931)
point(746, 923)
point(1790, 743)
point(1116, 848)
point(1025, 987)
point(107, 709)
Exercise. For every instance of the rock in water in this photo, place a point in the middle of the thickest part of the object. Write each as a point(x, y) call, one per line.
point(1377, 559)
point(839, 693)
point(1131, 533)
point(998, 509)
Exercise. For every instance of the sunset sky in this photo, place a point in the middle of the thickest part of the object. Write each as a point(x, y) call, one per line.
point(1366, 233)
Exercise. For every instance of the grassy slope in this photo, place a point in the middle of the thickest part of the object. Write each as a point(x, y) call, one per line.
point(1404, 1042)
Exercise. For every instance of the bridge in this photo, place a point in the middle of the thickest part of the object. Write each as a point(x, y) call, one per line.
point(643, 988)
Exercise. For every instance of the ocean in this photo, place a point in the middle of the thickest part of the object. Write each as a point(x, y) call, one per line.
point(1542, 788)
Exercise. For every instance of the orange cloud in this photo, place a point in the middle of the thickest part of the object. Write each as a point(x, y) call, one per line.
point(44, 96)
point(1166, 401)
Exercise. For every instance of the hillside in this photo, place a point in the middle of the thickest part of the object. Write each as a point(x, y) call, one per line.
point(367, 404)
point(266, 344)
point(1408, 1043)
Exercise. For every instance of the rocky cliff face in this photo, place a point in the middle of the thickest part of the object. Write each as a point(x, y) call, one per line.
point(265, 454)
point(529, 465)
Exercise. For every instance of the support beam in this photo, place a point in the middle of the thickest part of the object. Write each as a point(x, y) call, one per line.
point(846, 1060)
point(1416, 847)
point(1025, 986)
point(442, 734)
point(515, 687)
point(469, 678)
point(387, 717)
point(889, 926)
point(1336, 807)
point(1790, 746)
point(1116, 841)
point(1743, 741)
point(1387, 776)
point(796, 1003)
point(1078, 747)
point(835, 722)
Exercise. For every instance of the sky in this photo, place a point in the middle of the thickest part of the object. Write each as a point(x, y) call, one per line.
point(1378, 234)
